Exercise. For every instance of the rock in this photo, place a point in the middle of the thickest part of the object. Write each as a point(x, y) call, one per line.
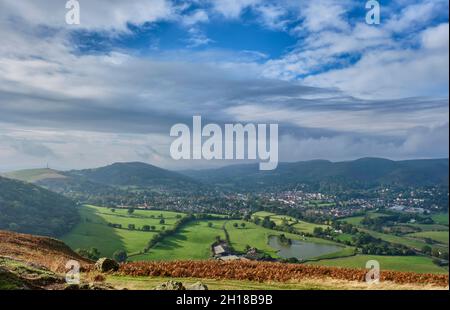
point(106, 265)
point(88, 287)
point(171, 286)
point(199, 286)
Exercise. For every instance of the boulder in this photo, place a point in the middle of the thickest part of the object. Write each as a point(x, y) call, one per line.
point(171, 286)
point(199, 286)
point(106, 265)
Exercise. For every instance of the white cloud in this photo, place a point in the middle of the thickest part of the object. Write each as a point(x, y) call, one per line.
point(99, 14)
point(233, 9)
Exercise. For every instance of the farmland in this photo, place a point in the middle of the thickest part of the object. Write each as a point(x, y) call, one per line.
point(418, 264)
point(438, 236)
point(94, 231)
point(193, 241)
point(300, 226)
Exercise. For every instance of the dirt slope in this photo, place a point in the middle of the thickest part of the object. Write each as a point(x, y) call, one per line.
point(50, 253)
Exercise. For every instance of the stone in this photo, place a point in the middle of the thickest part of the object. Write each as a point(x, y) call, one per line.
point(171, 286)
point(106, 265)
point(199, 286)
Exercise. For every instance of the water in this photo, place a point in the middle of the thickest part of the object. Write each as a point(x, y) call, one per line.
point(302, 250)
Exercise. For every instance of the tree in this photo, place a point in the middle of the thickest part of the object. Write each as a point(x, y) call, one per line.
point(243, 225)
point(235, 225)
point(130, 211)
point(91, 253)
point(120, 256)
point(210, 224)
point(318, 231)
point(427, 250)
point(162, 221)
point(131, 226)
point(113, 210)
point(146, 228)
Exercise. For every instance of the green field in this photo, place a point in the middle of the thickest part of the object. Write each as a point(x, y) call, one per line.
point(441, 218)
point(356, 220)
point(439, 236)
point(300, 226)
point(93, 230)
point(193, 241)
point(419, 264)
point(409, 242)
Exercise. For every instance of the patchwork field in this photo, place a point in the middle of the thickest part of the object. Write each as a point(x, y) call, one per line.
point(438, 236)
point(300, 226)
point(356, 220)
point(193, 241)
point(93, 230)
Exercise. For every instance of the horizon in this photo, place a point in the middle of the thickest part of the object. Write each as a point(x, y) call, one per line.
point(218, 167)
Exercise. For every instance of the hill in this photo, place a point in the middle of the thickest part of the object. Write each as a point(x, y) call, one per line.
point(48, 252)
point(362, 173)
point(136, 174)
point(30, 262)
point(28, 208)
point(35, 175)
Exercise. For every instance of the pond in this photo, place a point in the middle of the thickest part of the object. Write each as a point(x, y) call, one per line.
point(300, 249)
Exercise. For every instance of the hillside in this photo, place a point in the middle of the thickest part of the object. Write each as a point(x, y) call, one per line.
point(48, 252)
point(136, 174)
point(30, 262)
point(28, 208)
point(35, 175)
point(366, 172)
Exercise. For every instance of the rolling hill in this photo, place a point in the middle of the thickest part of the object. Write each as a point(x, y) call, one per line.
point(366, 172)
point(28, 208)
point(135, 174)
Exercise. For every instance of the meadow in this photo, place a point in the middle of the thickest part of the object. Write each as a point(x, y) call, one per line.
point(192, 241)
point(300, 226)
point(438, 236)
point(93, 230)
point(418, 264)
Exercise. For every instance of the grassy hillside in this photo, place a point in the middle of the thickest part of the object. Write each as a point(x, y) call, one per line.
point(35, 175)
point(93, 229)
point(193, 241)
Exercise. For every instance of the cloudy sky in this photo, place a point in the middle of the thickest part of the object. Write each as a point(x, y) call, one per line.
point(109, 89)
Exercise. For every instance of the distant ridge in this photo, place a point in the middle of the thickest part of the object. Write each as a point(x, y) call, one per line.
point(357, 173)
point(134, 174)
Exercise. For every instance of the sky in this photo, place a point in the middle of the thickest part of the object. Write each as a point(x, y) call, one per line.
point(109, 89)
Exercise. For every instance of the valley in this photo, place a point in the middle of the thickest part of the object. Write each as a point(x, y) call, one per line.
point(309, 215)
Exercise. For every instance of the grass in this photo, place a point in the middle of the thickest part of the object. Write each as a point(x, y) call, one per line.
point(300, 226)
point(412, 243)
point(356, 220)
point(258, 236)
point(93, 230)
point(34, 175)
point(418, 264)
point(439, 236)
point(193, 241)
point(149, 283)
point(441, 218)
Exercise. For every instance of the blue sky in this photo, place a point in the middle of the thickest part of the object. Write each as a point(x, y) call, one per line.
point(110, 88)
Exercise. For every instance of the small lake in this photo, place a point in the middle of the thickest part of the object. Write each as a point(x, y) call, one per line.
point(302, 250)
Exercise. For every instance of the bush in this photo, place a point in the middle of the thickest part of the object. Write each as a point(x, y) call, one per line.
point(120, 256)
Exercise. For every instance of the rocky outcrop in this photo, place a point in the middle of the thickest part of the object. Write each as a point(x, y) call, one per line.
point(106, 265)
